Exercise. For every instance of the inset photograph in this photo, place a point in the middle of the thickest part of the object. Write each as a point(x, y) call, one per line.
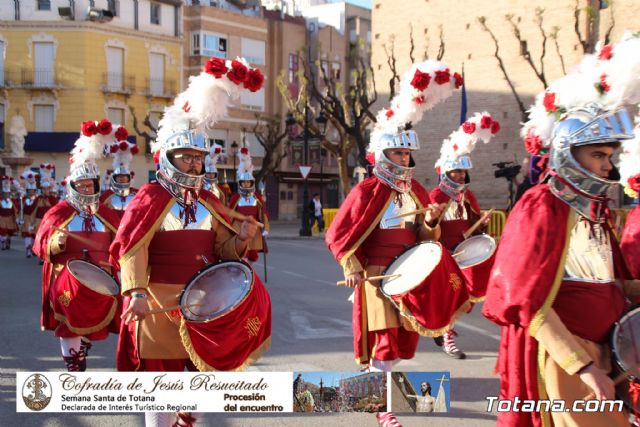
point(340, 392)
point(420, 392)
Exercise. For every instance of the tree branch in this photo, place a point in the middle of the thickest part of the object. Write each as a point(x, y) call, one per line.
point(554, 37)
point(441, 47)
point(523, 111)
point(412, 45)
point(391, 62)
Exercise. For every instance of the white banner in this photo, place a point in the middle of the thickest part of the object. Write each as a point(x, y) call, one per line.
point(154, 391)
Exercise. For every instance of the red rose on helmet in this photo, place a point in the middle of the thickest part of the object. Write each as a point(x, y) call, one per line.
point(244, 150)
point(442, 77)
point(605, 52)
point(216, 67)
point(218, 150)
point(634, 182)
point(121, 134)
point(89, 128)
point(113, 148)
point(469, 127)
point(603, 86)
point(420, 80)
point(135, 150)
point(419, 100)
point(389, 114)
point(254, 81)
point(532, 142)
point(238, 72)
point(104, 127)
point(371, 158)
point(495, 127)
point(156, 157)
point(485, 122)
point(458, 79)
point(42, 165)
point(549, 102)
point(123, 145)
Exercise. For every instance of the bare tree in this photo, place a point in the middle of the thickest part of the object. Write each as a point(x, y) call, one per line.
point(412, 45)
point(554, 37)
point(149, 136)
point(523, 111)
point(590, 38)
point(391, 62)
point(441, 46)
point(271, 135)
point(348, 109)
point(538, 70)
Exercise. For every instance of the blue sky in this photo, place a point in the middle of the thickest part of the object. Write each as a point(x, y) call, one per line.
point(363, 3)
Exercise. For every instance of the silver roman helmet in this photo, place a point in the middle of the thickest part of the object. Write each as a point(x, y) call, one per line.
point(455, 153)
point(396, 176)
point(210, 169)
point(245, 174)
point(581, 126)
point(85, 204)
point(122, 152)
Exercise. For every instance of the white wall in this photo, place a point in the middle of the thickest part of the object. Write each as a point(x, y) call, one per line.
point(125, 18)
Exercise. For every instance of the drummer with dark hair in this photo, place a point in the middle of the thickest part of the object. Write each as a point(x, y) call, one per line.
point(64, 310)
point(170, 231)
point(463, 210)
point(378, 221)
point(553, 287)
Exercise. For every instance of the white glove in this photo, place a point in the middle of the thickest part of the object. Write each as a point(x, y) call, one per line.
point(265, 233)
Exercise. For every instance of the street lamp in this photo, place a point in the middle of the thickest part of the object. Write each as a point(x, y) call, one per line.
point(234, 150)
point(321, 120)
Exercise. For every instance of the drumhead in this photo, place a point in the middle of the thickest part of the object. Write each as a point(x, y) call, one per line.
point(413, 266)
point(625, 342)
point(217, 290)
point(93, 277)
point(477, 249)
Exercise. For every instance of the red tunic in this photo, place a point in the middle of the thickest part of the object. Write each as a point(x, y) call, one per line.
point(58, 216)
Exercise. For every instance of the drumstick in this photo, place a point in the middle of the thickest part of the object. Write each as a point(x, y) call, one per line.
point(444, 211)
point(388, 276)
point(241, 217)
point(81, 239)
point(617, 380)
point(473, 228)
point(455, 254)
point(173, 307)
point(416, 212)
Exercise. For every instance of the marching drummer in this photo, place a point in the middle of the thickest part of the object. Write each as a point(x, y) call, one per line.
point(172, 229)
point(28, 208)
point(463, 210)
point(9, 211)
point(120, 191)
point(211, 173)
point(553, 286)
point(77, 228)
point(248, 201)
point(365, 238)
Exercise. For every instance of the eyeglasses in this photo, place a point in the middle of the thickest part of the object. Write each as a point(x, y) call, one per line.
point(189, 158)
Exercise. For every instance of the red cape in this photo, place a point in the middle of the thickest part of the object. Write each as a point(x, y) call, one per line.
point(630, 242)
point(56, 217)
point(144, 214)
point(439, 196)
point(360, 213)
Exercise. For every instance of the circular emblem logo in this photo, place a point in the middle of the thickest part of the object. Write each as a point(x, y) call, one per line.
point(36, 392)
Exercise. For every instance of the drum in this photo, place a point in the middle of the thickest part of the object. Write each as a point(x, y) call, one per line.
point(475, 256)
point(625, 348)
point(430, 291)
point(85, 297)
point(226, 317)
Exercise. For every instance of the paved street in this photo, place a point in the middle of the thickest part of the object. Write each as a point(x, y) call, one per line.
point(311, 332)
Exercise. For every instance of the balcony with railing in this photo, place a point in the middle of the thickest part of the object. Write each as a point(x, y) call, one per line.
point(39, 79)
point(160, 88)
point(118, 83)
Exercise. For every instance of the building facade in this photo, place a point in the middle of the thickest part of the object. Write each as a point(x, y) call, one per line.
point(465, 42)
point(66, 62)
